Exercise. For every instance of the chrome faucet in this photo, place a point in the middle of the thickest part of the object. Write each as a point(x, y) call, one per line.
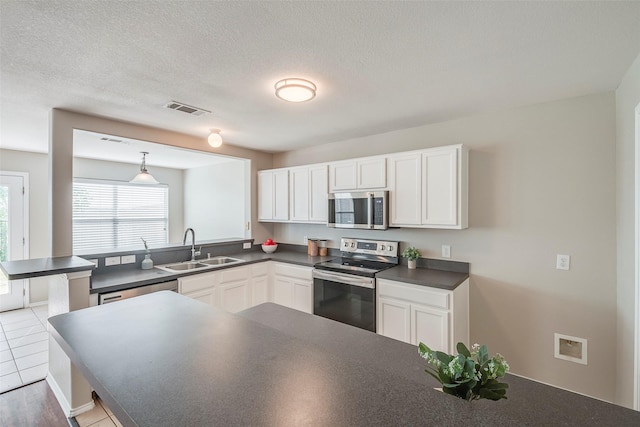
point(193, 243)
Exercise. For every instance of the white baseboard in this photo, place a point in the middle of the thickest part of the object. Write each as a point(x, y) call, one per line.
point(38, 304)
point(64, 404)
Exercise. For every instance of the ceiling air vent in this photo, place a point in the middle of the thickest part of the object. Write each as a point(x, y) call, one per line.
point(189, 109)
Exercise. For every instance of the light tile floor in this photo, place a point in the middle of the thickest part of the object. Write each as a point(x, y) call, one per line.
point(24, 347)
point(99, 416)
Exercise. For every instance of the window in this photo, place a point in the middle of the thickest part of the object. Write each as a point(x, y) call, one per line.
point(110, 215)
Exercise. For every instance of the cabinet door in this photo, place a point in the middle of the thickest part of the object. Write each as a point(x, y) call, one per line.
point(197, 282)
point(430, 326)
point(394, 319)
point(405, 189)
point(299, 194)
point(206, 296)
point(265, 195)
point(281, 195)
point(259, 290)
point(283, 291)
point(302, 295)
point(234, 296)
point(372, 173)
point(439, 187)
point(318, 188)
point(342, 176)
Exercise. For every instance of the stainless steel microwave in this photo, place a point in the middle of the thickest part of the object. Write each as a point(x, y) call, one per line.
point(367, 210)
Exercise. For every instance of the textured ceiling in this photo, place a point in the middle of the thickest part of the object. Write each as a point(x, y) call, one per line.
point(379, 66)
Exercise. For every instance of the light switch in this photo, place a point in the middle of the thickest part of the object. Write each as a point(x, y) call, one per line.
point(446, 251)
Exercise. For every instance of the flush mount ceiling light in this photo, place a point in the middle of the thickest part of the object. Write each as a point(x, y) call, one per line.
point(144, 177)
point(295, 90)
point(214, 139)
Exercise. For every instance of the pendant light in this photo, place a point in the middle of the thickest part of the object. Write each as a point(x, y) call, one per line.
point(144, 177)
point(295, 90)
point(214, 139)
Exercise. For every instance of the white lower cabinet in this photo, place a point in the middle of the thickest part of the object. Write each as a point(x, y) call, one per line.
point(238, 288)
point(293, 286)
point(234, 289)
point(415, 314)
point(199, 286)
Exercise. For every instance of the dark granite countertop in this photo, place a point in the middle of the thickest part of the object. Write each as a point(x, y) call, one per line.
point(24, 269)
point(433, 278)
point(165, 360)
point(127, 279)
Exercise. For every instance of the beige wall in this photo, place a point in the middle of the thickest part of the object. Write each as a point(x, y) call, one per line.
point(214, 201)
point(542, 183)
point(627, 101)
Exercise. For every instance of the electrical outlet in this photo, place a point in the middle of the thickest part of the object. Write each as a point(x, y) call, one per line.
point(246, 245)
point(111, 260)
point(563, 262)
point(128, 259)
point(306, 240)
point(446, 251)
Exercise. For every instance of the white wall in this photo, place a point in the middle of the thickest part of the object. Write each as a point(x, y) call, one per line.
point(37, 166)
point(101, 169)
point(627, 100)
point(542, 183)
point(214, 201)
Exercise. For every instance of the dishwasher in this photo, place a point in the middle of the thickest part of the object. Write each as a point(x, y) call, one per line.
point(134, 292)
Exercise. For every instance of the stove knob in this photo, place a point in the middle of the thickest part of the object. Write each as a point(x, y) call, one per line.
point(390, 248)
point(353, 244)
point(382, 247)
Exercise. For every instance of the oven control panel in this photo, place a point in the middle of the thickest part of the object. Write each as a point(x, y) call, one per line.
point(371, 247)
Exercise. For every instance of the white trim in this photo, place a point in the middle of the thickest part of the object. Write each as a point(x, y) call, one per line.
point(636, 381)
point(38, 304)
point(62, 400)
point(25, 226)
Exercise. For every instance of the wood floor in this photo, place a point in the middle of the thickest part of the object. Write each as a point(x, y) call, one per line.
point(32, 405)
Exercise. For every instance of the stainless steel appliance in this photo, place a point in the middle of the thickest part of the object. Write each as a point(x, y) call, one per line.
point(134, 292)
point(368, 210)
point(344, 289)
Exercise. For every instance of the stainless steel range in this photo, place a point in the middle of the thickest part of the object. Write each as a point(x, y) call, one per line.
point(344, 289)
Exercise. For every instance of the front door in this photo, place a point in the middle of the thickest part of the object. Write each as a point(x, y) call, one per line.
point(12, 236)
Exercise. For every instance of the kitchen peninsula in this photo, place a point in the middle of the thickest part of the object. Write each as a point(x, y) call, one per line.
point(165, 360)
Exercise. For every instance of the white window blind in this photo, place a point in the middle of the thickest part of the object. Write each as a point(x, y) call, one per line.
point(115, 215)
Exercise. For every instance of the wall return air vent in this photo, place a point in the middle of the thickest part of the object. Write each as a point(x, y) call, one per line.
point(189, 109)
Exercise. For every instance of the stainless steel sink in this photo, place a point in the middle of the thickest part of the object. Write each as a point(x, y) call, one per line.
point(182, 266)
point(220, 260)
point(202, 264)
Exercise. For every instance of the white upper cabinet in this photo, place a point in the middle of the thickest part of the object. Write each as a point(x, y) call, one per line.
point(358, 174)
point(308, 194)
point(318, 189)
point(429, 188)
point(273, 195)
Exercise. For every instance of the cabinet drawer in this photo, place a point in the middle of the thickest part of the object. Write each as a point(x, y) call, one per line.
point(260, 269)
point(234, 274)
point(196, 283)
point(414, 293)
point(292, 271)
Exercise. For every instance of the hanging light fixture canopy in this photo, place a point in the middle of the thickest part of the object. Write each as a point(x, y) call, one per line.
point(214, 139)
point(144, 177)
point(295, 90)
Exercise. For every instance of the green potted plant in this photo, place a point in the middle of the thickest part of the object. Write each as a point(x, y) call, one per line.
point(411, 254)
point(470, 375)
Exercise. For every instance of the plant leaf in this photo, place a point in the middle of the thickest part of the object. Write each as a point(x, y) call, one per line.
point(463, 350)
point(483, 355)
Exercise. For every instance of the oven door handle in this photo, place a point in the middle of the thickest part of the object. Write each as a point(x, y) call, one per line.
point(347, 279)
